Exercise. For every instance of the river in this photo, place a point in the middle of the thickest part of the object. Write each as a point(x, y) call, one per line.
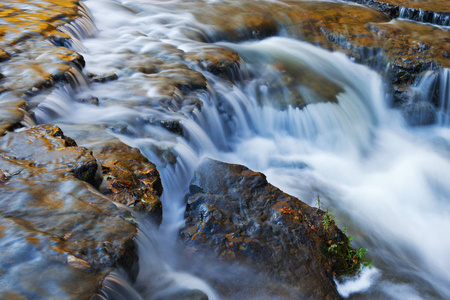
point(385, 181)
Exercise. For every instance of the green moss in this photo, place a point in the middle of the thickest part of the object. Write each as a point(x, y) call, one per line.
point(345, 259)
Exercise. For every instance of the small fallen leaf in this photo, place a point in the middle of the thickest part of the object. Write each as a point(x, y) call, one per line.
point(4, 176)
point(78, 263)
point(148, 182)
point(148, 171)
point(286, 210)
point(123, 183)
point(111, 186)
point(229, 235)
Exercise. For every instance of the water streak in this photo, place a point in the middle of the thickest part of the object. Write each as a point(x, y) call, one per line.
point(386, 182)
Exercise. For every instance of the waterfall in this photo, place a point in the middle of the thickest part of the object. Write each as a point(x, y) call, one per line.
point(444, 97)
point(430, 99)
point(385, 181)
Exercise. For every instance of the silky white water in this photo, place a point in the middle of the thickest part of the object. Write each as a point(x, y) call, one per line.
point(389, 184)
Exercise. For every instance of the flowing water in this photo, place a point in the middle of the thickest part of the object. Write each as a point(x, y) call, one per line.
point(388, 183)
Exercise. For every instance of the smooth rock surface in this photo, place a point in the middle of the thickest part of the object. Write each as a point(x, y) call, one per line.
point(59, 236)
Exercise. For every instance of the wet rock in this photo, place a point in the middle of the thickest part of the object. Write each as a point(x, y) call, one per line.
point(92, 100)
point(11, 112)
point(102, 78)
point(236, 214)
point(426, 11)
point(387, 8)
point(47, 146)
point(29, 63)
point(412, 48)
point(291, 84)
point(173, 126)
point(419, 113)
point(129, 178)
point(58, 235)
point(169, 84)
point(216, 60)
point(181, 295)
point(4, 56)
point(245, 21)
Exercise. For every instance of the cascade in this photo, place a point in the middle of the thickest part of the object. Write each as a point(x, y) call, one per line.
point(357, 153)
point(79, 29)
point(444, 97)
point(430, 96)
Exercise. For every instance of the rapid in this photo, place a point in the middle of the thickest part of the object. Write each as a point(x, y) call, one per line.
point(385, 181)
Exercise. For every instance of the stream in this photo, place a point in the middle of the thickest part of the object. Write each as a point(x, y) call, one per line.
point(385, 181)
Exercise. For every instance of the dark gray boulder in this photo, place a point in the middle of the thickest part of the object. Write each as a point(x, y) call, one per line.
point(236, 214)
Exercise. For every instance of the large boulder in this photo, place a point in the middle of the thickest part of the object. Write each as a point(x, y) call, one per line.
point(59, 237)
point(236, 214)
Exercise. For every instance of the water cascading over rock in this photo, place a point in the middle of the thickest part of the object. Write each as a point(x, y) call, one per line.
point(183, 80)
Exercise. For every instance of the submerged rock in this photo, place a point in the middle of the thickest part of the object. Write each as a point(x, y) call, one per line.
point(236, 22)
point(419, 113)
point(236, 214)
point(216, 60)
point(102, 78)
point(180, 295)
point(59, 236)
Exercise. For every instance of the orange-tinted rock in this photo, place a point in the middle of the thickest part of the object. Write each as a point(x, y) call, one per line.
point(28, 61)
point(237, 22)
point(216, 60)
point(59, 236)
point(129, 178)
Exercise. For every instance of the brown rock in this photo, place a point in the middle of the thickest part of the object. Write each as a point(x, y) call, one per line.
point(216, 60)
point(236, 214)
point(129, 178)
point(242, 21)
